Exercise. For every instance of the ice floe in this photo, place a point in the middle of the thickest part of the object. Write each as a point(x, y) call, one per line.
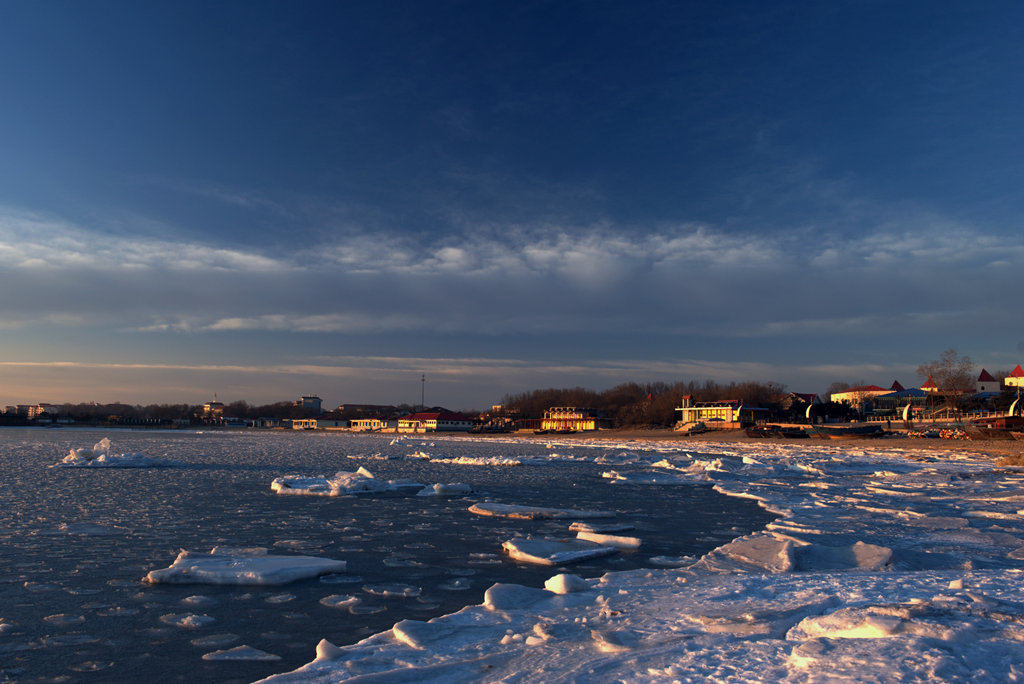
point(618, 541)
point(242, 566)
point(555, 551)
point(645, 478)
point(341, 483)
point(100, 456)
point(450, 489)
point(533, 512)
point(241, 653)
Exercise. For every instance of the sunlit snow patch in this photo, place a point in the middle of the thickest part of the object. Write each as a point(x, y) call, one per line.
point(483, 461)
point(341, 483)
point(617, 541)
point(100, 456)
point(224, 565)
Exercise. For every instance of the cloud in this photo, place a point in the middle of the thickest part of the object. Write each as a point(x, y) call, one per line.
point(31, 241)
point(912, 272)
point(348, 323)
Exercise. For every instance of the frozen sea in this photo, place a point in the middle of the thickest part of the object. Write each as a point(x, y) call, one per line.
point(76, 542)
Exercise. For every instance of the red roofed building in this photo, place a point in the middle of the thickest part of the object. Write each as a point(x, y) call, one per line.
point(986, 383)
point(435, 421)
point(930, 386)
point(1015, 378)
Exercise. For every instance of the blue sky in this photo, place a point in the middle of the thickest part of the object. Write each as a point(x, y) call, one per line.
point(267, 199)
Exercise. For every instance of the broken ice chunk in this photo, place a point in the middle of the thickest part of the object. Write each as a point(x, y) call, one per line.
point(555, 551)
point(610, 540)
point(225, 565)
point(451, 489)
point(241, 653)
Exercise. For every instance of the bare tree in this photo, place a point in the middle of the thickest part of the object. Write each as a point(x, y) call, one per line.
point(953, 374)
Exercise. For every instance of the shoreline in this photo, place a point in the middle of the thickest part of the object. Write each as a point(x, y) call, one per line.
point(994, 448)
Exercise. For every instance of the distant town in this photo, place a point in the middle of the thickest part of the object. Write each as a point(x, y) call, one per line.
point(952, 391)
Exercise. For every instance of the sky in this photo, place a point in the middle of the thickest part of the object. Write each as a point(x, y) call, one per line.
point(261, 200)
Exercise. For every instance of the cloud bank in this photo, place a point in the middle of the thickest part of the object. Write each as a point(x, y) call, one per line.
point(536, 305)
point(685, 279)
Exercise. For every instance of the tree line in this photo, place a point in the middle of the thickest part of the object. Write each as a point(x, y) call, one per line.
point(635, 404)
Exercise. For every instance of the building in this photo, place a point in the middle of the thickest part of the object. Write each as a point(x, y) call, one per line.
point(369, 424)
point(986, 383)
point(311, 403)
point(727, 413)
point(855, 396)
point(213, 409)
point(570, 418)
point(1015, 378)
point(31, 411)
point(435, 421)
point(319, 424)
point(893, 401)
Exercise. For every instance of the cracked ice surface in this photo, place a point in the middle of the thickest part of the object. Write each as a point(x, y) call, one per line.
point(887, 564)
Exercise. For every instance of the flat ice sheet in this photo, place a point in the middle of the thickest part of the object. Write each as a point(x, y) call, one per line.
point(533, 512)
point(242, 567)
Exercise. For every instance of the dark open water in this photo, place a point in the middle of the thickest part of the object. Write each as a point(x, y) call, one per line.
point(75, 543)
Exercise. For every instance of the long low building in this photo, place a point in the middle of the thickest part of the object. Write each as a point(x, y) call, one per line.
point(319, 424)
point(435, 421)
point(371, 424)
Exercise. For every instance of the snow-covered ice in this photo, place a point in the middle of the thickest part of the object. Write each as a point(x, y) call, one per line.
point(242, 566)
point(241, 653)
point(555, 551)
point(100, 456)
point(616, 540)
point(449, 489)
point(341, 483)
point(885, 565)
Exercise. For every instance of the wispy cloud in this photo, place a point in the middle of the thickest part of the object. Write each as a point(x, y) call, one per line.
point(354, 323)
point(912, 272)
point(32, 241)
